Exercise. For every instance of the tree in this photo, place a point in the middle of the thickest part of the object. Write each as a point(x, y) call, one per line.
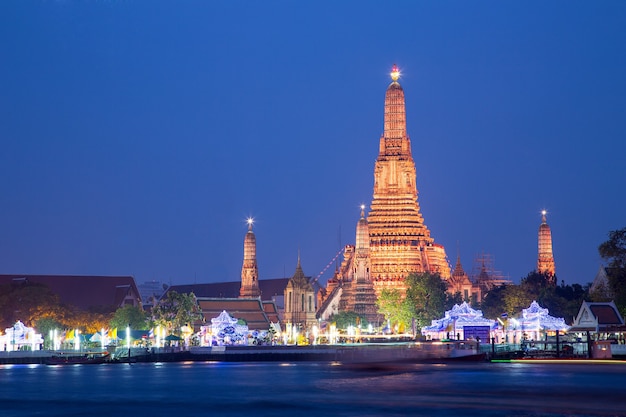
point(614, 252)
point(427, 294)
point(27, 302)
point(45, 325)
point(493, 304)
point(344, 319)
point(396, 309)
point(175, 310)
point(131, 316)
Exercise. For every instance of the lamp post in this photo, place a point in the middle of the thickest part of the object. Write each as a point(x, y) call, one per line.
point(128, 340)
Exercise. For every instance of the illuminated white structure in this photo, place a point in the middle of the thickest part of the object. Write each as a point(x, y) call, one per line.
point(534, 320)
point(456, 321)
point(20, 337)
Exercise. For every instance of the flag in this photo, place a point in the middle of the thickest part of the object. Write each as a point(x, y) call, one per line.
point(113, 334)
point(504, 315)
point(151, 333)
point(70, 335)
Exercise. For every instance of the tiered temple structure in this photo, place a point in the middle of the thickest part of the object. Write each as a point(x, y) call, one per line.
point(545, 258)
point(299, 301)
point(400, 242)
point(393, 241)
point(249, 269)
point(359, 294)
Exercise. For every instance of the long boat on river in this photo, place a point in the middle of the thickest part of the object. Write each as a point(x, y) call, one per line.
point(348, 353)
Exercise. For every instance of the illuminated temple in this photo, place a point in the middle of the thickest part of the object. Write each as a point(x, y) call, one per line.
point(393, 241)
point(400, 242)
point(545, 258)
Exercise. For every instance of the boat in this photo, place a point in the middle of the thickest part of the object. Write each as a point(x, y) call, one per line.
point(78, 359)
point(410, 352)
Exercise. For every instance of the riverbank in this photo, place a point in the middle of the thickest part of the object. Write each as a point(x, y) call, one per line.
point(355, 353)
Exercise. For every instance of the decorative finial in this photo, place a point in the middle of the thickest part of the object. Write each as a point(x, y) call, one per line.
point(362, 211)
point(250, 221)
point(543, 216)
point(395, 73)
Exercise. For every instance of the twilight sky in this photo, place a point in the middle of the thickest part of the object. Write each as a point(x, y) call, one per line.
point(137, 136)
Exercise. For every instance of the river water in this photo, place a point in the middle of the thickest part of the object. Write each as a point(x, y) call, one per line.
point(312, 389)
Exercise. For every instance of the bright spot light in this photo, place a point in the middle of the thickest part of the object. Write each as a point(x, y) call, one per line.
point(395, 72)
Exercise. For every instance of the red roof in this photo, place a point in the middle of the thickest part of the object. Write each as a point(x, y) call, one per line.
point(85, 291)
point(269, 288)
point(249, 309)
point(606, 314)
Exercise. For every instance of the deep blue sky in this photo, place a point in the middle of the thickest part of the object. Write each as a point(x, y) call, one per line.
point(137, 136)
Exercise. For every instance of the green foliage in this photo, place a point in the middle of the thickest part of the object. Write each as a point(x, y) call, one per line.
point(427, 294)
point(175, 310)
point(426, 300)
point(28, 302)
point(493, 304)
point(131, 316)
point(562, 301)
point(45, 324)
point(398, 311)
point(344, 319)
point(614, 252)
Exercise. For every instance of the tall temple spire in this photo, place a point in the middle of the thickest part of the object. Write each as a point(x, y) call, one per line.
point(545, 258)
point(394, 140)
point(400, 242)
point(362, 236)
point(249, 270)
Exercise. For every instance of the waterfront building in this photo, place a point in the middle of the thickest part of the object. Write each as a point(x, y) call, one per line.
point(85, 292)
point(257, 314)
point(602, 318)
point(533, 324)
point(249, 269)
point(299, 299)
point(461, 322)
point(545, 258)
point(20, 337)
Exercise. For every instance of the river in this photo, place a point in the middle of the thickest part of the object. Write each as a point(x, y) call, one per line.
point(312, 389)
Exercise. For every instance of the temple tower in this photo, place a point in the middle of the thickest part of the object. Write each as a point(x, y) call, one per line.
point(545, 258)
point(299, 301)
point(362, 250)
point(400, 242)
point(358, 294)
point(249, 270)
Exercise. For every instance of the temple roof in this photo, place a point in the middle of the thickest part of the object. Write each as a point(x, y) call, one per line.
point(252, 310)
point(84, 291)
point(269, 288)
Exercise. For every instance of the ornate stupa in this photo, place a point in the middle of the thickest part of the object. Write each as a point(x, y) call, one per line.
point(358, 293)
point(249, 269)
point(545, 258)
point(400, 242)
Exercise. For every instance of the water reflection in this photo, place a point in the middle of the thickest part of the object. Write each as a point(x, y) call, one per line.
point(312, 389)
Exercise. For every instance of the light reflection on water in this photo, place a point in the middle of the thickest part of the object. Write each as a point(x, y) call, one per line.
point(312, 389)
